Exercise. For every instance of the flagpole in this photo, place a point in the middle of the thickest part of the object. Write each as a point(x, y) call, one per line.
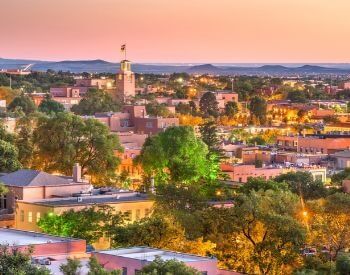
point(125, 53)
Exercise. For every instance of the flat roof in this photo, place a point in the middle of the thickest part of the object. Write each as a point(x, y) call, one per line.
point(87, 200)
point(149, 254)
point(15, 237)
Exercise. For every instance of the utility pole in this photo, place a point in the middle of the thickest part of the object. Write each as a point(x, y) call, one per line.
point(10, 82)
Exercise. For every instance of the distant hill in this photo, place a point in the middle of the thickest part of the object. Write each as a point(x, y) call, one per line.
point(100, 66)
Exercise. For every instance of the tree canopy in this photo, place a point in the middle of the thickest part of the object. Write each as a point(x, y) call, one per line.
point(177, 155)
point(65, 139)
point(96, 101)
point(23, 103)
point(208, 105)
point(49, 106)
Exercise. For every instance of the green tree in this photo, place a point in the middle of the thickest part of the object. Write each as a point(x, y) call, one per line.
point(96, 269)
point(65, 139)
point(257, 109)
point(168, 267)
point(339, 177)
point(24, 141)
point(184, 109)
point(210, 137)
point(18, 262)
point(23, 103)
point(297, 96)
point(208, 105)
point(89, 224)
point(303, 184)
point(50, 106)
point(8, 157)
point(156, 109)
point(96, 101)
point(343, 264)
point(177, 155)
point(256, 184)
point(72, 267)
point(3, 189)
point(231, 108)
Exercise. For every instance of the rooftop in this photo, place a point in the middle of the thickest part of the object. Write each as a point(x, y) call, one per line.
point(149, 254)
point(26, 177)
point(95, 199)
point(14, 237)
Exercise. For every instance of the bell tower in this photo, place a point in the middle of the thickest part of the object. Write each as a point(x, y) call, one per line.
point(125, 81)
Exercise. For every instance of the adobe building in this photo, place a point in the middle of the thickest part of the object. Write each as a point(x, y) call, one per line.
point(132, 260)
point(43, 245)
point(323, 144)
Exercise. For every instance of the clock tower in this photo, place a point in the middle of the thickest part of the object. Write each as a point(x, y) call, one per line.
point(125, 81)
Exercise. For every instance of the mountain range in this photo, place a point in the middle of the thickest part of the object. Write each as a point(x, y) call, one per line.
point(100, 66)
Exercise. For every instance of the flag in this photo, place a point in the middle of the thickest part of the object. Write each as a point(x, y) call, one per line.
point(123, 47)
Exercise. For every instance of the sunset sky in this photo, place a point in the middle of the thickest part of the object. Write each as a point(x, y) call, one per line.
point(177, 30)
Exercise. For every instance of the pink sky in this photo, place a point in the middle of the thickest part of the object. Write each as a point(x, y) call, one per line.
point(177, 30)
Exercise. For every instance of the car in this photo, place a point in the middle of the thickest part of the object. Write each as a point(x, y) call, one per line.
point(41, 261)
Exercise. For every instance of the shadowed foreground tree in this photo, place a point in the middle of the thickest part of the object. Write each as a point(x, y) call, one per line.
point(50, 106)
point(65, 139)
point(168, 267)
point(17, 262)
point(23, 103)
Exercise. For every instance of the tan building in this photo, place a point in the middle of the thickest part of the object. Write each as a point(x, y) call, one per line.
point(29, 212)
point(125, 81)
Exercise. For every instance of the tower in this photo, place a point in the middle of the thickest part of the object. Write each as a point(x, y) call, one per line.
point(125, 82)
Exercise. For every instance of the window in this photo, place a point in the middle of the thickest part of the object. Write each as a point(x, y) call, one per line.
point(138, 212)
point(22, 216)
point(147, 212)
point(30, 216)
point(149, 124)
point(3, 202)
point(124, 271)
point(38, 215)
point(128, 215)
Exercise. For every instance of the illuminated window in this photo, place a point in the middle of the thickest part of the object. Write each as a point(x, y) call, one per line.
point(30, 216)
point(128, 215)
point(38, 215)
point(147, 212)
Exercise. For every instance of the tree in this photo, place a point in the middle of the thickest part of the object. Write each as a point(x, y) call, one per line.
point(339, 177)
point(266, 236)
point(330, 222)
point(8, 157)
point(72, 267)
point(161, 232)
point(208, 105)
point(303, 184)
point(3, 189)
point(64, 139)
point(258, 108)
point(24, 141)
point(210, 137)
point(8, 94)
point(177, 155)
point(89, 224)
point(168, 267)
point(156, 109)
point(18, 262)
point(22, 102)
point(297, 96)
point(96, 269)
point(231, 108)
point(49, 106)
point(96, 101)
point(183, 108)
point(256, 184)
point(343, 264)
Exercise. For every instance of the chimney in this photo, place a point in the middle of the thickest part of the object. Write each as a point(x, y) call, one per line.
point(77, 172)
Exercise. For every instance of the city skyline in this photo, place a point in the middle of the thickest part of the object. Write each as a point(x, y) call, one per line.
point(181, 31)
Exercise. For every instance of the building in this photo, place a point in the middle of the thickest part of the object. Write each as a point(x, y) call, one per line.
point(342, 159)
point(133, 259)
point(241, 173)
point(134, 205)
point(134, 118)
point(125, 81)
point(315, 144)
point(27, 185)
point(43, 245)
point(98, 83)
